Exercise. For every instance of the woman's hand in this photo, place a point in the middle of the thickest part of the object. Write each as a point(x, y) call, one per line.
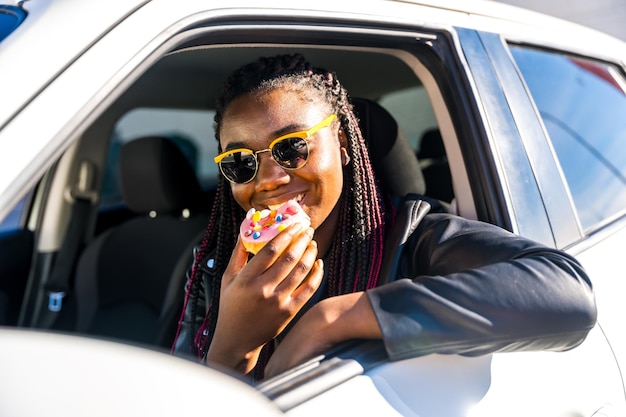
point(259, 298)
point(329, 322)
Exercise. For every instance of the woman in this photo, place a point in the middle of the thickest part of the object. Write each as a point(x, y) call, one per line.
point(453, 286)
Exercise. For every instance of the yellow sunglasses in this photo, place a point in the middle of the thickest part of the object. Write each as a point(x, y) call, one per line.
point(290, 151)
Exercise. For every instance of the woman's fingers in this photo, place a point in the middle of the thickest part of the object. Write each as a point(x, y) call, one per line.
point(305, 276)
point(277, 246)
point(291, 254)
point(274, 285)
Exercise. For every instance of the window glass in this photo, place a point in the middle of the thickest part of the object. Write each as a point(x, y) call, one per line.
point(412, 110)
point(414, 114)
point(191, 130)
point(583, 106)
point(13, 220)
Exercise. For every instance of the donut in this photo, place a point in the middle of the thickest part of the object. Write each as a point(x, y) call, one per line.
point(261, 226)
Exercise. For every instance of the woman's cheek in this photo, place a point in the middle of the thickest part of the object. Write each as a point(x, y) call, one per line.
point(241, 194)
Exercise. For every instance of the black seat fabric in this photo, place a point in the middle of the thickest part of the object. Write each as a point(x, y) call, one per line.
point(129, 280)
point(392, 157)
point(435, 168)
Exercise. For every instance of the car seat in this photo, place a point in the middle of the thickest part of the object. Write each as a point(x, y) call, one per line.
point(392, 156)
point(435, 168)
point(129, 281)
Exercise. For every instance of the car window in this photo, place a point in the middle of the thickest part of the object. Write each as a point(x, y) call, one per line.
point(191, 130)
point(582, 103)
point(13, 220)
point(412, 110)
point(416, 119)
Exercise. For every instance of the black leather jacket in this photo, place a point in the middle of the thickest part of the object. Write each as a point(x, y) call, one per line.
point(452, 285)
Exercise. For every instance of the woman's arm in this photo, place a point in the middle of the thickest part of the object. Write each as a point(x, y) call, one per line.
point(260, 297)
point(328, 323)
point(474, 288)
point(465, 287)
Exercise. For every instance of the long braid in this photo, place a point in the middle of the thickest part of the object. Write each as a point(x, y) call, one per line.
point(362, 223)
point(362, 212)
point(221, 237)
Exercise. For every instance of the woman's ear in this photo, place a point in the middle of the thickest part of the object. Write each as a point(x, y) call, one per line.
point(343, 143)
point(345, 158)
point(343, 139)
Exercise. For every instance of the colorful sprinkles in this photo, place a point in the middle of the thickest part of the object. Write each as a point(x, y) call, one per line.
point(262, 220)
point(261, 226)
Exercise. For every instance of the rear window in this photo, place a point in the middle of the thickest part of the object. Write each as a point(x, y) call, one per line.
point(583, 106)
point(191, 130)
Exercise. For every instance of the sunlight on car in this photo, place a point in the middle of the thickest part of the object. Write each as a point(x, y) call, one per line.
point(462, 167)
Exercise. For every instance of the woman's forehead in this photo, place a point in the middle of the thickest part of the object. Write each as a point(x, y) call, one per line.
point(269, 115)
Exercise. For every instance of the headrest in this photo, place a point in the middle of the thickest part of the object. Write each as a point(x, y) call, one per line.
point(393, 158)
point(431, 145)
point(156, 176)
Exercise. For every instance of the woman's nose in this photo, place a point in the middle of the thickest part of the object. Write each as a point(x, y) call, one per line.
point(270, 175)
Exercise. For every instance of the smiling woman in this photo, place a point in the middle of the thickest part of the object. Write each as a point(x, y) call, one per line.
point(460, 287)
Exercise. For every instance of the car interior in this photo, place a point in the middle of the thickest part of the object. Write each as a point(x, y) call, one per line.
point(126, 204)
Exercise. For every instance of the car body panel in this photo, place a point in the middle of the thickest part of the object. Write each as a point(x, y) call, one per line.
point(54, 36)
point(489, 385)
point(102, 378)
point(609, 285)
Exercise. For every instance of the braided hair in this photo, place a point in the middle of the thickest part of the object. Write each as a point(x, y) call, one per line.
point(355, 254)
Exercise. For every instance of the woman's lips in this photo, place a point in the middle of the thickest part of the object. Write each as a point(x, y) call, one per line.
point(298, 199)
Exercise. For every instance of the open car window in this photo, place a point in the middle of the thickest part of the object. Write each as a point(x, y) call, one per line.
point(190, 129)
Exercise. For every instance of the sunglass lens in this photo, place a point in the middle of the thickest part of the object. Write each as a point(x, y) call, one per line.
point(291, 153)
point(239, 167)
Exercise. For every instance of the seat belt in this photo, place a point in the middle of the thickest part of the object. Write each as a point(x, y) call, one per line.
point(58, 285)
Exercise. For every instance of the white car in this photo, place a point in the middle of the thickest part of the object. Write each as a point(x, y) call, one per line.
point(513, 117)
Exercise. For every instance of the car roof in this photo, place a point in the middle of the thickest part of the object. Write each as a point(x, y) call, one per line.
point(57, 32)
point(49, 39)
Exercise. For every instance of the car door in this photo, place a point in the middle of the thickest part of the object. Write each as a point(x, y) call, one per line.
point(567, 105)
point(579, 100)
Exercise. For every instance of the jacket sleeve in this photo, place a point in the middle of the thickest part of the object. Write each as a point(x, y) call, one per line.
point(467, 287)
point(191, 319)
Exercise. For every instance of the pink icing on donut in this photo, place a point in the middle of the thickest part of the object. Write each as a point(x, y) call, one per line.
point(261, 226)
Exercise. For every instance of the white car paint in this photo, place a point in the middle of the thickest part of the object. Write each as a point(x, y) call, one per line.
point(61, 376)
point(64, 81)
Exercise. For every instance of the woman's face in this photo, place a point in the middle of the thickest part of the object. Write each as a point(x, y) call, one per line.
point(254, 121)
